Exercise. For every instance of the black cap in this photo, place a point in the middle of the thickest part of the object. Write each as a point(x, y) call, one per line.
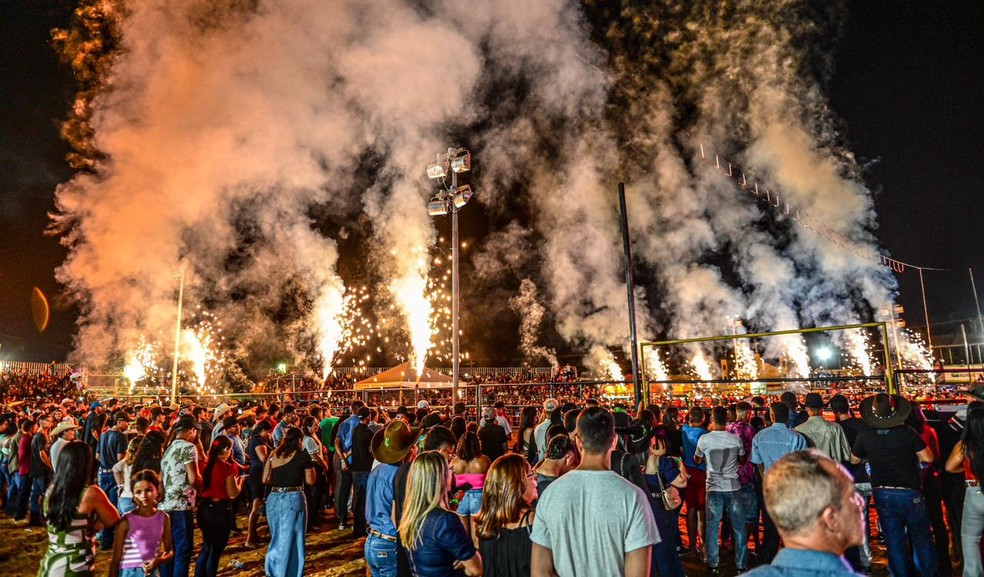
point(121, 417)
point(814, 401)
point(185, 423)
point(838, 404)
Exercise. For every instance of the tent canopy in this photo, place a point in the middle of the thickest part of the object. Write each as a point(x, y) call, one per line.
point(404, 376)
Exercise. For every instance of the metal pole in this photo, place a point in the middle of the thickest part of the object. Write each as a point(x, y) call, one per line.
point(177, 338)
point(890, 385)
point(455, 347)
point(970, 378)
point(977, 302)
point(630, 289)
point(929, 334)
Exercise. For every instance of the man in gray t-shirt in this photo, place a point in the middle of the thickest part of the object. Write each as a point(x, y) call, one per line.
point(722, 451)
point(591, 521)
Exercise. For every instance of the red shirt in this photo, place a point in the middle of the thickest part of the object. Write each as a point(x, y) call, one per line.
point(217, 483)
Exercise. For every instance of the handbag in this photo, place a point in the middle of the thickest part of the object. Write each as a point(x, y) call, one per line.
point(670, 496)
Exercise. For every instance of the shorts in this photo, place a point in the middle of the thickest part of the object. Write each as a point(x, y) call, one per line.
point(696, 494)
point(471, 503)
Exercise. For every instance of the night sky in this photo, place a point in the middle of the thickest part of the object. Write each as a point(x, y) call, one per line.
point(908, 89)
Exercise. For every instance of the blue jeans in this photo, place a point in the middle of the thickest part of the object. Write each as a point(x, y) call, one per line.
point(38, 486)
point(183, 540)
point(971, 531)
point(380, 556)
point(107, 482)
point(125, 505)
point(901, 512)
point(21, 496)
point(139, 572)
point(471, 502)
point(666, 560)
point(717, 503)
point(360, 480)
point(287, 516)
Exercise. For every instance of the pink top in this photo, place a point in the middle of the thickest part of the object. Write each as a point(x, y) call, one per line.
point(143, 539)
point(476, 480)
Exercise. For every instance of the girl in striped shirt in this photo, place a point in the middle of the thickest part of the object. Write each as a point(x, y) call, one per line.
point(143, 536)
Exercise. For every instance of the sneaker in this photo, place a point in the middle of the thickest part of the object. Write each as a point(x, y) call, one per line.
point(714, 571)
point(341, 526)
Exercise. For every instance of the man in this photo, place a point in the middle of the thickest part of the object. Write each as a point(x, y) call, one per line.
point(40, 468)
point(202, 415)
point(818, 513)
point(742, 427)
point(157, 418)
point(723, 452)
point(112, 448)
point(592, 521)
point(179, 475)
point(540, 431)
point(63, 434)
point(768, 446)
point(392, 447)
point(219, 415)
point(23, 472)
point(343, 452)
point(500, 417)
point(289, 419)
point(796, 418)
point(360, 465)
point(327, 425)
point(860, 557)
point(894, 452)
point(696, 495)
point(561, 458)
point(492, 436)
point(90, 428)
point(828, 437)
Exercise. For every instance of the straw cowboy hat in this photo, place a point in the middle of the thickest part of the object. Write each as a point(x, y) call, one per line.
point(391, 445)
point(62, 427)
point(884, 411)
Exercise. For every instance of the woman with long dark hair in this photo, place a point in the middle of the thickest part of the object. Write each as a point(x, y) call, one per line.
point(506, 520)
point(968, 457)
point(287, 470)
point(150, 452)
point(259, 449)
point(221, 484)
point(75, 511)
point(434, 538)
point(932, 488)
point(525, 439)
point(470, 467)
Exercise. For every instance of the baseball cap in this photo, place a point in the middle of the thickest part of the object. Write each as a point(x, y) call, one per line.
point(488, 413)
point(95, 404)
point(423, 405)
point(814, 401)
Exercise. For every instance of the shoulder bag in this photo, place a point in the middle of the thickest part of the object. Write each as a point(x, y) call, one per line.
point(670, 496)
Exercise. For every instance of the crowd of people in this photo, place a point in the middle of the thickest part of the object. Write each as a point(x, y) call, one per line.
point(16, 385)
point(562, 487)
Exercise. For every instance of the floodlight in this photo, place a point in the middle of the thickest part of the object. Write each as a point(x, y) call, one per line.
point(823, 353)
point(437, 171)
point(462, 196)
point(461, 162)
point(438, 206)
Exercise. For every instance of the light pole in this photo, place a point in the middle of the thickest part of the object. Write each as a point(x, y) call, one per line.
point(177, 333)
point(451, 199)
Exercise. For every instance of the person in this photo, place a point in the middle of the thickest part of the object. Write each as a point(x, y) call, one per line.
point(63, 433)
point(814, 505)
point(591, 521)
point(92, 427)
point(561, 457)
point(470, 468)
point(122, 471)
point(826, 436)
point(391, 446)
point(318, 492)
point(27, 430)
point(219, 416)
point(723, 452)
point(540, 431)
point(433, 536)
point(221, 484)
point(796, 417)
point(503, 526)
point(493, 436)
point(287, 470)
point(328, 424)
point(525, 440)
point(894, 452)
point(931, 487)
point(143, 535)
point(661, 473)
point(150, 452)
point(259, 449)
point(742, 427)
point(343, 452)
point(860, 557)
point(40, 468)
point(696, 495)
point(967, 457)
point(360, 465)
point(74, 510)
point(768, 446)
point(112, 448)
point(179, 468)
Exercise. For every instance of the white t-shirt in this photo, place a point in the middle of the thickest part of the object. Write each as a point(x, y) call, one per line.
point(720, 451)
point(590, 520)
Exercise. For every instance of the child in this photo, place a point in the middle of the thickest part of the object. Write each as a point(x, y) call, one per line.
point(141, 532)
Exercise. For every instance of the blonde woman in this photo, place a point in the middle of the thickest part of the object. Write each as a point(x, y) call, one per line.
point(504, 525)
point(435, 540)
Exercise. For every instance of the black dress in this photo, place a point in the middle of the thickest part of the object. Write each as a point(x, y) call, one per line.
point(508, 555)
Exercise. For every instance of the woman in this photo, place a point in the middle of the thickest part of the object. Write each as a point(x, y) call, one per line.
point(75, 512)
point(122, 471)
point(470, 467)
point(316, 493)
point(221, 484)
point(287, 470)
point(151, 451)
point(259, 449)
point(932, 488)
point(968, 457)
point(435, 540)
point(525, 440)
point(674, 436)
point(506, 520)
point(663, 472)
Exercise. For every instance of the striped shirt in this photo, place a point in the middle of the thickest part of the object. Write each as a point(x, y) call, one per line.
point(143, 539)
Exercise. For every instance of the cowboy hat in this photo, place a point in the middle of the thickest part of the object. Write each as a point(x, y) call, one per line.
point(391, 445)
point(884, 411)
point(62, 427)
point(220, 410)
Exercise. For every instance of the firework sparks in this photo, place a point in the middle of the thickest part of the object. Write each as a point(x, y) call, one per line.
point(701, 367)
